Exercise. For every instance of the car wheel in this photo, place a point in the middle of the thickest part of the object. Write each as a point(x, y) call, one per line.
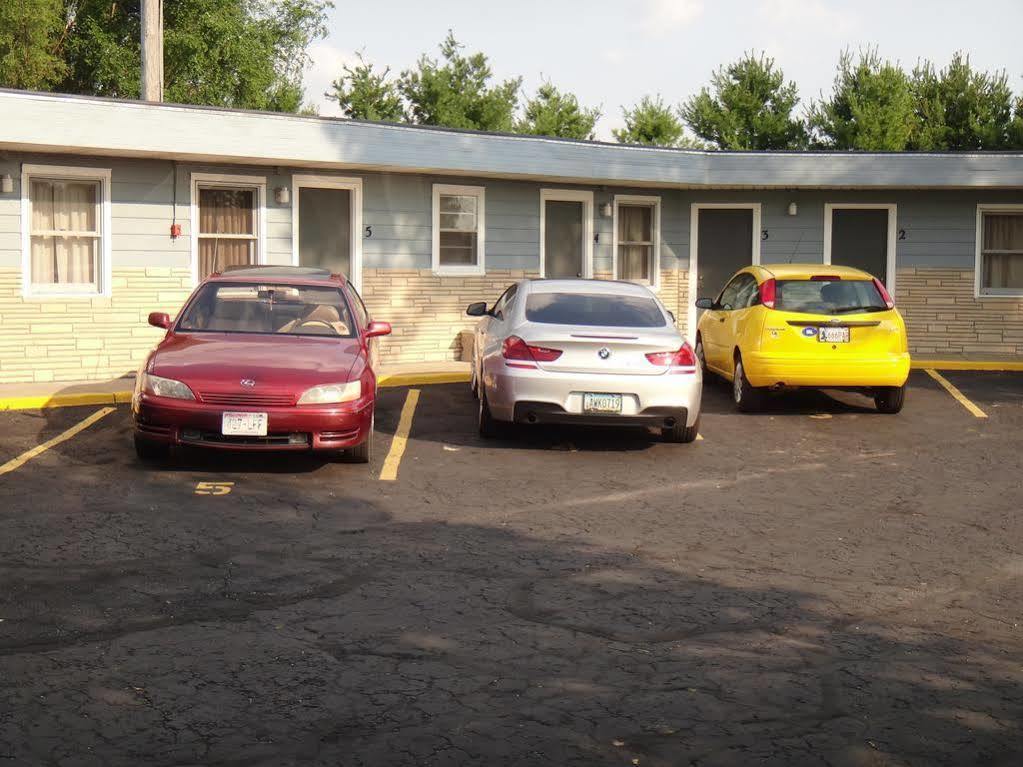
point(489, 427)
point(747, 398)
point(363, 452)
point(150, 451)
point(701, 360)
point(682, 433)
point(890, 399)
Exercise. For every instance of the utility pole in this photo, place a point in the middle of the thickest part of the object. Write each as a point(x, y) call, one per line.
point(152, 50)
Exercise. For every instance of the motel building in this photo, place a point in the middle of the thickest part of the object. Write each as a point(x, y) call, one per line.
point(112, 209)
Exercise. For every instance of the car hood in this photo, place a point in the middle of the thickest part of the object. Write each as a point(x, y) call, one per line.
point(220, 361)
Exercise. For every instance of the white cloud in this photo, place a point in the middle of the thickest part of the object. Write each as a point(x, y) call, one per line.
point(664, 16)
point(806, 15)
point(324, 67)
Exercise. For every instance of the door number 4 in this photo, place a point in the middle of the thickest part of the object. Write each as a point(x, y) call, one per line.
point(213, 488)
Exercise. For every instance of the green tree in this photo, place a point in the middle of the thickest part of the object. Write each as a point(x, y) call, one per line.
point(457, 91)
point(366, 94)
point(958, 108)
point(650, 121)
point(29, 33)
point(553, 113)
point(749, 106)
point(233, 53)
point(870, 108)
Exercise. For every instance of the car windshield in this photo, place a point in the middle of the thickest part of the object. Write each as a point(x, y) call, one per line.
point(829, 296)
point(298, 310)
point(603, 309)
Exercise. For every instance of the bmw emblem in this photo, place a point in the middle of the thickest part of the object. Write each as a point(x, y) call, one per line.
point(247, 382)
point(604, 353)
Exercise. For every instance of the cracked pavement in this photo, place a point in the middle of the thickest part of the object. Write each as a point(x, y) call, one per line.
point(843, 589)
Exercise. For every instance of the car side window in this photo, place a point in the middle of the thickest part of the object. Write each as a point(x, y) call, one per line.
point(502, 303)
point(727, 300)
point(747, 292)
point(359, 307)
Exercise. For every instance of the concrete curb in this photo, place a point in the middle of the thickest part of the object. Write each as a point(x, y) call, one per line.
point(39, 401)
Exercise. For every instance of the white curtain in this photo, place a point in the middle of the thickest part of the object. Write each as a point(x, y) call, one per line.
point(634, 227)
point(65, 232)
point(1003, 270)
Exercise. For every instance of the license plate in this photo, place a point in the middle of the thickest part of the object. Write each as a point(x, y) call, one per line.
point(833, 335)
point(602, 403)
point(243, 424)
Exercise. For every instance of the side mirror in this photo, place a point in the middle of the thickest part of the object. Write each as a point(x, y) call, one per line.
point(160, 320)
point(704, 303)
point(477, 309)
point(378, 329)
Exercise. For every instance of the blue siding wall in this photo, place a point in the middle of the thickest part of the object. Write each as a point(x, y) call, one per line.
point(939, 225)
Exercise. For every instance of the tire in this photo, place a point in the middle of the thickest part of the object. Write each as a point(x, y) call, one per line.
point(890, 399)
point(489, 427)
point(149, 451)
point(701, 360)
point(747, 398)
point(682, 433)
point(363, 452)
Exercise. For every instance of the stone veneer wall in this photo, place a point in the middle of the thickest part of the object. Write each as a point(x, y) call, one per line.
point(76, 339)
point(428, 311)
point(943, 316)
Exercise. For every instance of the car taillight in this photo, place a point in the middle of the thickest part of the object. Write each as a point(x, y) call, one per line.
point(522, 355)
point(825, 278)
point(767, 292)
point(884, 293)
point(684, 360)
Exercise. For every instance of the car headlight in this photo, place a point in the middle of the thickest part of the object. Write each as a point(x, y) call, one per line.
point(165, 387)
point(326, 394)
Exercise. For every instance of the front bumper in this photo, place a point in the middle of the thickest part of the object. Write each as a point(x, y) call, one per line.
point(515, 393)
point(181, 422)
point(790, 370)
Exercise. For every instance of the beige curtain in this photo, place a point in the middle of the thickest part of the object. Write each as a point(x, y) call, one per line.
point(65, 232)
point(225, 211)
point(1003, 270)
point(635, 237)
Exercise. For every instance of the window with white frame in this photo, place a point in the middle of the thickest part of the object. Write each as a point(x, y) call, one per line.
point(636, 238)
point(458, 229)
point(65, 242)
point(228, 226)
point(1000, 252)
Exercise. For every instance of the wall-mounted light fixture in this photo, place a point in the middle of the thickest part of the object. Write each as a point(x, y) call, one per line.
point(793, 209)
point(606, 210)
point(6, 183)
point(282, 195)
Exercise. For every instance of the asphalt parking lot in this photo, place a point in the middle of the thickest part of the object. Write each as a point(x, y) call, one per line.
point(816, 584)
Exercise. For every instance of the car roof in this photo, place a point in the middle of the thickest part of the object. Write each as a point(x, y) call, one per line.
point(806, 271)
point(281, 273)
point(610, 287)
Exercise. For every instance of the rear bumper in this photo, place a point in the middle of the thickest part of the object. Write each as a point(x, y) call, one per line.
point(773, 369)
point(558, 397)
point(178, 422)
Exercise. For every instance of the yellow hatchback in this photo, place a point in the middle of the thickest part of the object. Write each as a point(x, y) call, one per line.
point(813, 325)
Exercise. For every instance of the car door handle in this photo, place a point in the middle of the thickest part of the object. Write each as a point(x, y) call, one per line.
point(721, 319)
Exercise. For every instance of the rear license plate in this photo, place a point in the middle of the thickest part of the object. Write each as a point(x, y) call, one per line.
point(833, 335)
point(243, 424)
point(602, 403)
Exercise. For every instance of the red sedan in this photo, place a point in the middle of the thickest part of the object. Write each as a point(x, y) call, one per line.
point(262, 358)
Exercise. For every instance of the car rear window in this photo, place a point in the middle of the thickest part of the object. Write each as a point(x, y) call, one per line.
point(298, 310)
point(594, 309)
point(828, 296)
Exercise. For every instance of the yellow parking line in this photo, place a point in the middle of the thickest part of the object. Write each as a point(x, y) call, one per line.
point(28, 455)
point(960, 397)
point(393, 460)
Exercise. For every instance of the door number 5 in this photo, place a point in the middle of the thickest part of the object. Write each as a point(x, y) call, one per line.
point(213, 488)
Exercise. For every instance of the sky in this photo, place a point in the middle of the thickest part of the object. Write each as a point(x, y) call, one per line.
point(609, 53)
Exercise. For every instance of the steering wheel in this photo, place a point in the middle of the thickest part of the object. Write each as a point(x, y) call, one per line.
point(324, 323)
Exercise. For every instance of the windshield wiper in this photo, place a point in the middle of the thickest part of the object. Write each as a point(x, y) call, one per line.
point(851, 309)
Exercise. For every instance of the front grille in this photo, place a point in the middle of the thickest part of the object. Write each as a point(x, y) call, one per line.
point(213, 438)
point(245, 399)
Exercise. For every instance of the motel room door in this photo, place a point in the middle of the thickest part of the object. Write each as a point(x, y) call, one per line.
point(863, 237)
point(326, 217)
point(566, 239)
